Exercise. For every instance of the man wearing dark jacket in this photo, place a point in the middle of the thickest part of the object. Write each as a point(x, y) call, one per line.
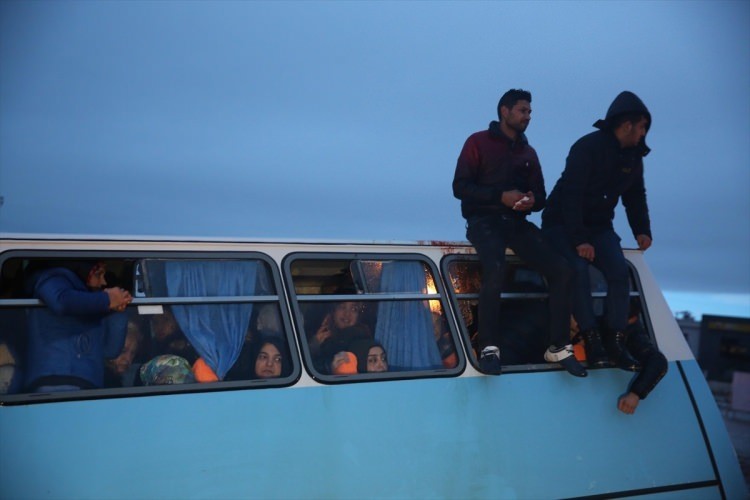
point(499, 182)
point(603, 167)
point(653, 362)
point(82, 324)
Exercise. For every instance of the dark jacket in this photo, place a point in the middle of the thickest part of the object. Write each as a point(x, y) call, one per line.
point(491, 163)
point(71, 337)
point(598, 172)
point(653, 363)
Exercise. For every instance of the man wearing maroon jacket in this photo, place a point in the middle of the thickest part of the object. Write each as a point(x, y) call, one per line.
point(499, 182)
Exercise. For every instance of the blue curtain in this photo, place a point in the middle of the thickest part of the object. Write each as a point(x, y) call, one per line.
point(404, 327)
point(216, 331)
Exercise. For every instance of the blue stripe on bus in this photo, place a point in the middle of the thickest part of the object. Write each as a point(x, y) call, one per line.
point(526, 435)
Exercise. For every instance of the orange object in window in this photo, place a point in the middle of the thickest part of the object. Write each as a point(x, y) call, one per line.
point(579, 351)
point(203, 372)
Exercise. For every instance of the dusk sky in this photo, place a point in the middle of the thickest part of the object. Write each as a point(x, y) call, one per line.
point(344, 120)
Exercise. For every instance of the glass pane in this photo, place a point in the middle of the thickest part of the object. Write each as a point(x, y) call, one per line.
point(202, 278)
point(167, 334)
point(465, 277)
point(312, 277)
point(412, 335)
point(397, 276)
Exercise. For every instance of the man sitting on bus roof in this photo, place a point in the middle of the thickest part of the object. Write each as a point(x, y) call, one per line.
point(601, 168)
point(499, 182)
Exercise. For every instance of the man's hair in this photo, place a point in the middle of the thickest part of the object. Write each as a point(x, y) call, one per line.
point(633, 118)
point(511, 97)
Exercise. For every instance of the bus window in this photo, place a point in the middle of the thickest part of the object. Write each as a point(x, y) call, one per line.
point(191, 321)
point(524, 310)
point(371, 317)
point(523, 313)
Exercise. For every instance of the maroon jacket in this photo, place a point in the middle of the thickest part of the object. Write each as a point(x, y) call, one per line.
point(491, 163)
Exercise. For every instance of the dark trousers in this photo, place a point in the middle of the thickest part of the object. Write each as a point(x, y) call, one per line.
point(490, 236)
point(610, 260)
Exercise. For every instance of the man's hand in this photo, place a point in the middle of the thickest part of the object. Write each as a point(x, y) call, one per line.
point(644, 242)
point(517, 200)
point(119, 298)
point(628, 403)
point(586, 251)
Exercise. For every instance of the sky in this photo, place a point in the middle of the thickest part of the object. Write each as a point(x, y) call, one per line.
point(344, 120)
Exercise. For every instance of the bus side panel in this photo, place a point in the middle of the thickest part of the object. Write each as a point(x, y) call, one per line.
point(532, 435)
point(721, 444)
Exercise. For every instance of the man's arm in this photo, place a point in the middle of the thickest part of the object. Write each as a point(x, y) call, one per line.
point(636, 209)
point(465, 185)
point(578, 167)
point(63, 295)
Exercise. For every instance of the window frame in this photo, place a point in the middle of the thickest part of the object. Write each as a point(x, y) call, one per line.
point(447, 260)
point(136, 391)
point(296, 299)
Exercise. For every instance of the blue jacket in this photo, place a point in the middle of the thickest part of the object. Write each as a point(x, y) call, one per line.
point(71, 337)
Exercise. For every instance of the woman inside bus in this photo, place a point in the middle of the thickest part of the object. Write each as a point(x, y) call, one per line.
point(270, 355)
point(358, 355)
point(264, 356)
point(334, 328)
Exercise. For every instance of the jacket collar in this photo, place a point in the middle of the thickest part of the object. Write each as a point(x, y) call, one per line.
point(497, 132)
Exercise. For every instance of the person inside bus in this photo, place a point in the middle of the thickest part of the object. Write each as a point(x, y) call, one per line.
point(271, 358)
point(338, 342)
point(11, 375)
point(266, 323)
point(82, 324)
point(121, 371)
point(653, 362)
point(166, 369)
point(168, 338)
point(340, 317)
point(362, 355)
point(265, 356)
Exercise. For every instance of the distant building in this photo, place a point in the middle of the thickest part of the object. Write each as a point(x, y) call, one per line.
point(691, 329)
point(724, 346)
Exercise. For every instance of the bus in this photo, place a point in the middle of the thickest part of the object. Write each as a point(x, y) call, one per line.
point(319, 423)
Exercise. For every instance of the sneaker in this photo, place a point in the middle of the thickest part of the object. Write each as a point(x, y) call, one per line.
point(489, 362)
point(566, 358)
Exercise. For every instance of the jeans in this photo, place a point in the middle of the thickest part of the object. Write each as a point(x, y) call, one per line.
point(610, 260)
point(491, 235)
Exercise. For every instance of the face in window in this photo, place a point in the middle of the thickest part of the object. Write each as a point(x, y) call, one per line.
point(95, 280)
point(268, 362)
point(346, 314)
point(376, 360)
